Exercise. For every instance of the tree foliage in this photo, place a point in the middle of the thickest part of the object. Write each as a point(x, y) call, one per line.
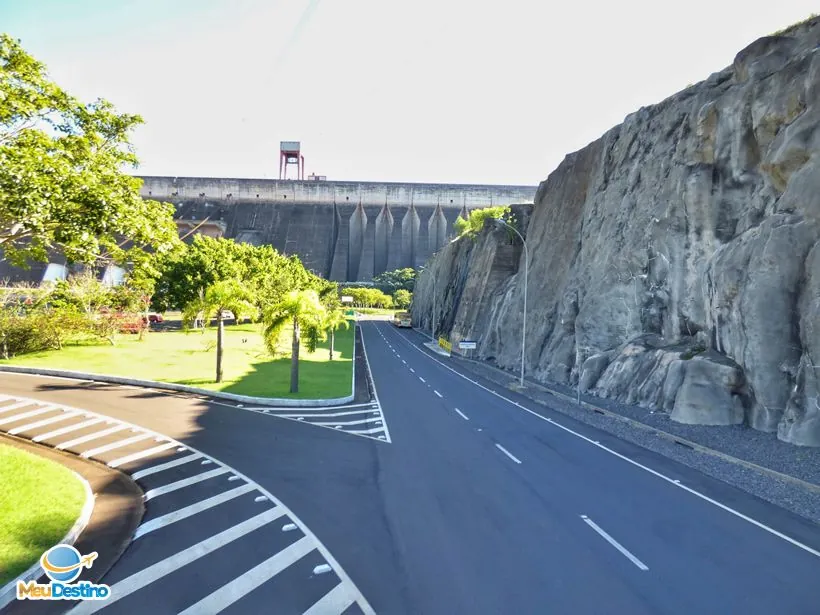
point(402, 299)
point(369, 297)
point(477, 217)
point(391, 281)
point(61, 183)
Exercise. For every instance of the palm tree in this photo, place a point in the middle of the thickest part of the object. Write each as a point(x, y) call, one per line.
point(304, 311)
point(227, 295)
point(334, 319)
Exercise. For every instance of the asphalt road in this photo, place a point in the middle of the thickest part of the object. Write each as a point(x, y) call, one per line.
point(472, 505)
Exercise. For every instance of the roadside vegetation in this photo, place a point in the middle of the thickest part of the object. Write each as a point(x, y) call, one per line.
point(39, 502)
point(476, 219)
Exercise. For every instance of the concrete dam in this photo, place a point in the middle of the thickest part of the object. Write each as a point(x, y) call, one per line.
point(343, 230)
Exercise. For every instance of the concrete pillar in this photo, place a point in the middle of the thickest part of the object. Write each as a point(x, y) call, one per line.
point(410, 225)
point(358, 225)
point(384, 232)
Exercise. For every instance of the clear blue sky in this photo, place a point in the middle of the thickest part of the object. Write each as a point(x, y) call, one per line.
point(386, 90)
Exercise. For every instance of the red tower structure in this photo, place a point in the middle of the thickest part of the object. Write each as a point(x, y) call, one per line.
point(290, 152)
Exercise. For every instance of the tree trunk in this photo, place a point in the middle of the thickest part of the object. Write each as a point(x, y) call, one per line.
point(294, 359)
point(219, 332)
point(332, 337)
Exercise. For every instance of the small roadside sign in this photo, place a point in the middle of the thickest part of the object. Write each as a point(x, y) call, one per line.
point(467, 345)
point(347, 299)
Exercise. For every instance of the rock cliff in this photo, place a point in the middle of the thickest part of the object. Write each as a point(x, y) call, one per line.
point(674, 263)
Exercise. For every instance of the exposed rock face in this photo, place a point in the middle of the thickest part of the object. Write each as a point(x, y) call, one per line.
point(675, 261)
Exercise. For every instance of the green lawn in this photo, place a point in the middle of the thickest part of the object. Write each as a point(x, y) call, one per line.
point(190, 358)
point(39, 502)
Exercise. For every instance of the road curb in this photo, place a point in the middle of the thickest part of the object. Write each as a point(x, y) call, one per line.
point(77, 534)
point(638, 424)
point(181, 388)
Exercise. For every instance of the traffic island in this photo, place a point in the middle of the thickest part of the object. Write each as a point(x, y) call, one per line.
point(107, 530)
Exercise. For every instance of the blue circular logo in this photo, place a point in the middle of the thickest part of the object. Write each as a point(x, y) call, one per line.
point(62, 563)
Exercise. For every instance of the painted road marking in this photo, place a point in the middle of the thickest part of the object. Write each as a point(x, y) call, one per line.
point(198, 478)
point(615, 543)
point(54, 419)
point(229, 593)
point(193, 509)
point(164, 466)
point(437, 393)
point(115, 445)
point(328, 414)
point(671, 481)
point(152, 573)
point(403, 361)
point(422, 379)
point(412, 370)
point(65, 430)
point(19, 404)
point(464, 416)
point(507, 453)
point(141, 455)
point(322, 569)
point(359, 422)
point(368, 431)
point(376, 397)
point(337, 600)
point(288, 527)
point(25, 415)
point(92, 436)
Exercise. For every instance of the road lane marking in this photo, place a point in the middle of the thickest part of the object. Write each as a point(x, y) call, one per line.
point(337, 600)
point(376, 396)
point(193, 509)
point(19, 404)
point(292, 408)
point(422, 379)
point(92, 436)
point(25, 415)
point(54, 419)
point(64, 430)
point(198, 478)
point(412, 370)
point(403, 361)
point(229, 593)
point(671, 481)
point(141, 455)
point(464, 416)
point(368, 431)
point(615, 543)
point(507, 453)
point(437, 393)
point(165, 466)
point(359, 422)
point(152, 573)
point(115, 445)
point(325, 414)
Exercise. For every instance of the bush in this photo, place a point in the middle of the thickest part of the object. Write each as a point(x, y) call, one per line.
point(402, 299)
point(477, 217)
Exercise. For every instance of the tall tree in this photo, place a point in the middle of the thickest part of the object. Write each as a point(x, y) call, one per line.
point(303, 310)
point(226, 295)
point(61, 181)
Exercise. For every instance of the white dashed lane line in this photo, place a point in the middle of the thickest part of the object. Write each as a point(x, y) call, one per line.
point(507, 453)
point(437, 393)
point(464, 416)
point(615, 543)
point(186, 494)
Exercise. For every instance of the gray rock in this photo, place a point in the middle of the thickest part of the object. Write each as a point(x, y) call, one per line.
point(693, 225)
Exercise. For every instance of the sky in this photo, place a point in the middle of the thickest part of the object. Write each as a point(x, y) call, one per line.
point(443, 91)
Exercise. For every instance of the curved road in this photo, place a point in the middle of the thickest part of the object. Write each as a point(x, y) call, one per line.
point(477, 502)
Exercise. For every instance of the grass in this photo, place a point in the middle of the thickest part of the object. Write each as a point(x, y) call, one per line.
point(389, 312)
point(190, 358)
point(39, 502)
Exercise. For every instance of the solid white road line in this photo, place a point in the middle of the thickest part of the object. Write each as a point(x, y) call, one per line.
point(368, 431)
point(43, 423)
point(464, 416)
point(64, 430)
point(437, 393)
point(323, 415)
point(19, 404)
point(152, 573)
point(507, 453)
point(165, 466)
point(115, 445)
point(336, 601)
point(229, 593)
point(198, 478)
point(141, 455)
point(25, 415)
point(615, 543)
point(375, 395)
point(307, 410)
point(92, 436)
point(671, 481)
point(193, 509)
point(360, 422)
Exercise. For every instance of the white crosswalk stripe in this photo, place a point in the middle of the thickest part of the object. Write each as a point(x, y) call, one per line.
point(67, 414)
point(64, 430)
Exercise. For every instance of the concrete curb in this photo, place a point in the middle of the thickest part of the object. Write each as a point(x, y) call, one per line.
point(9, 591)
point(658, 432)
point(181, 388)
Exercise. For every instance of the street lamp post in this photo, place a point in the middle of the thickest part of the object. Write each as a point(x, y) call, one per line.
point(526, 271)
